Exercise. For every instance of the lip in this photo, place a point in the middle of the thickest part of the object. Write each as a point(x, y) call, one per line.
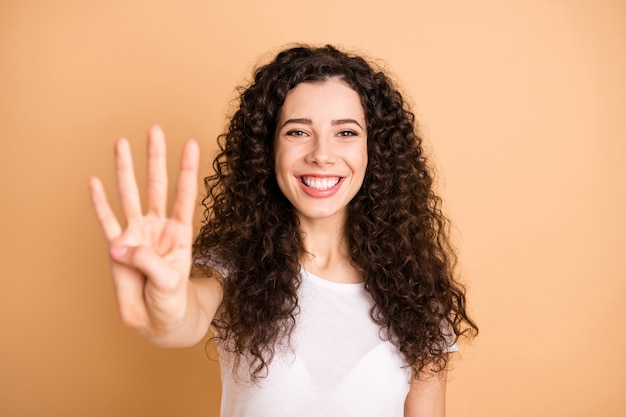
point(312, 192)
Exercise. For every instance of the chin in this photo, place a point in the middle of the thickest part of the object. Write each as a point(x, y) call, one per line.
point(320, 214)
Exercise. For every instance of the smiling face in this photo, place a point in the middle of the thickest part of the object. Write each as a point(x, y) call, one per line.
point(321, 148)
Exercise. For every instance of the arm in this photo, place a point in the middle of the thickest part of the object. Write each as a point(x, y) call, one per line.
point(427, 396)
point(151, 255)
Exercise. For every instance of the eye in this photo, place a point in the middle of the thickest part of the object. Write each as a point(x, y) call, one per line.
point(296, 132)
point(347, 133)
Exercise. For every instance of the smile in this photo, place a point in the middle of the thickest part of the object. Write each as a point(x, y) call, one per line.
point(320, 184)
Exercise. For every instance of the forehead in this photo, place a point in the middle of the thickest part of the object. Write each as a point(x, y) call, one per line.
point(328, 98)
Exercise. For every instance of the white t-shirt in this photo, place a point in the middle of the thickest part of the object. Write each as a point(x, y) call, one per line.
point(339, 365)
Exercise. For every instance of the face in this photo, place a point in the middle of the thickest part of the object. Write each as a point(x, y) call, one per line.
point(321, 149)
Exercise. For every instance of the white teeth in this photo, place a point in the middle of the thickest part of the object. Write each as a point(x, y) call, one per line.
point(320, 183)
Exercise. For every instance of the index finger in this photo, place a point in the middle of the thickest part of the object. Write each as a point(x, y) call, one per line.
point(187, 185)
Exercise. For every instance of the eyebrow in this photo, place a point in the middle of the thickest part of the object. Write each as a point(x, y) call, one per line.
point(307, 121)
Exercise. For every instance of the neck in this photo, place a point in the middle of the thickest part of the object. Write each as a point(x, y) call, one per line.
point(324, 243)
point(326, 250)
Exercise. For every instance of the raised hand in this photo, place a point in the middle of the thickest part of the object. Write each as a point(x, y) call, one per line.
point(151, 253)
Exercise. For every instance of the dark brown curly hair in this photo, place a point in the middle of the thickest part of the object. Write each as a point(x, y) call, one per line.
point(397, 235)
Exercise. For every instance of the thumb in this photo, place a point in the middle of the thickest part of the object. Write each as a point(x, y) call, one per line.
point(147, 262)
point(139, 257)
point(119, 253)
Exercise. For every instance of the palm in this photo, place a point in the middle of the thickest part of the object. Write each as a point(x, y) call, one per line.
point(151, 285)
point(166, 236)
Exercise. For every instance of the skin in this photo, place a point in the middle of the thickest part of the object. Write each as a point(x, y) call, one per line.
point(322, 133)
point(151, 256)
point(427, 396)
point(321, 140)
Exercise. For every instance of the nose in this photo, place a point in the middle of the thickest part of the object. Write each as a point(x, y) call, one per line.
point(322, 151)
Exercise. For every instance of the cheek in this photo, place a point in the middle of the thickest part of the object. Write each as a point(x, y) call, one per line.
point(279, 162)
point(362, 168)
point(282, 169)
point(360, 161)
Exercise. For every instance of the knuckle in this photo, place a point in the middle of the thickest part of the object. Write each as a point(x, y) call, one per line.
point(138, 255)
point(169, 282)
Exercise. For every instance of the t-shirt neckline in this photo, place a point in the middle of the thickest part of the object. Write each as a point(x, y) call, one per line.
point(343, 286)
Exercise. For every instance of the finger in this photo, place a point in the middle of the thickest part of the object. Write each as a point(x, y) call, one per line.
point(150, 292)
point(157, 173)
point(129, 284)
point(148, 263)
point(108, 221)
point(187, 185)
point(126, 182)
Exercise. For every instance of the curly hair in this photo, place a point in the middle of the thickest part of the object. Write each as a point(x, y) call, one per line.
point(397, 234)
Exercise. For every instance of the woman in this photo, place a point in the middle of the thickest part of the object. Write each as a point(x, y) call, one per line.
point(323, 266)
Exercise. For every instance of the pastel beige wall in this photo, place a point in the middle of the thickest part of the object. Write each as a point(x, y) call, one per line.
point(522, 103)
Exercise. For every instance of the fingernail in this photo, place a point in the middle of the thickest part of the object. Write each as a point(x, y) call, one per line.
point(117, 251)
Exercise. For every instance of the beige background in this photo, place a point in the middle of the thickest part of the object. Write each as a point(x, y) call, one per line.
point(523, 104)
